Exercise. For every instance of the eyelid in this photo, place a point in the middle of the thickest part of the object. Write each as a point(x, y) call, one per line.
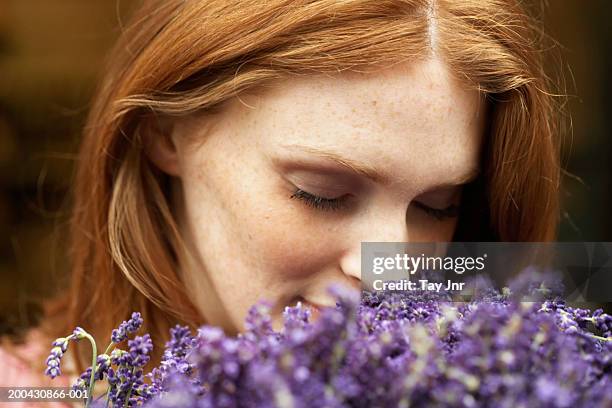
point(441, 195)
point(452, 211)
point(325, 183)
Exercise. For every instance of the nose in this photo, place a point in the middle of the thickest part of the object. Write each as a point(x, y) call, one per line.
point(378, 229)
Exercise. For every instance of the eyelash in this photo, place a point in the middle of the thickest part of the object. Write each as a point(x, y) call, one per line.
point(320, 203)
point(334, 204)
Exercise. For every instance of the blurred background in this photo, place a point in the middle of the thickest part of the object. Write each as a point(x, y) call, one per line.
point(51, 55)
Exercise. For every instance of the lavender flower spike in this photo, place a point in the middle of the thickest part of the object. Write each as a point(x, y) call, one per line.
point(140, 348)
point(127, 327)
point(60, 345)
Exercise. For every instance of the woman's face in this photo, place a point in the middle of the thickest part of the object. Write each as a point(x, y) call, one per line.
point(386, 154)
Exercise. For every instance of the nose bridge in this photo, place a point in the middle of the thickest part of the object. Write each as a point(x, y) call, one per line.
point(389, 226)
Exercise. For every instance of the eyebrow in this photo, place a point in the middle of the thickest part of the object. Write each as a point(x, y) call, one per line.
point(371, 173)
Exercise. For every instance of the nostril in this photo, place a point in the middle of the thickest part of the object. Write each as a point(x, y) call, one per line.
point(355, 282)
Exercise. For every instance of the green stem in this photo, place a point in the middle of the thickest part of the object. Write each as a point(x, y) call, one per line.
point(599, 337)
point(108, 348)
point(93, 368)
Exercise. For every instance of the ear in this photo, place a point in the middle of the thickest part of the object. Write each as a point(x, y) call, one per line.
point(160, 145)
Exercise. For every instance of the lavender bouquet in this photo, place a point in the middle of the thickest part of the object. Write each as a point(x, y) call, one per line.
point(393, 349)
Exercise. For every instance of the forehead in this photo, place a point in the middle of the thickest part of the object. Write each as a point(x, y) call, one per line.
point(412, 120)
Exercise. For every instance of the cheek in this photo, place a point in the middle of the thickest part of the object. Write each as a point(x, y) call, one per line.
point(253, 246)
point(286, 240)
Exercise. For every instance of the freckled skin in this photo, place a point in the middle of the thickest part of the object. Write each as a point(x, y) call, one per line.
point(414, 121)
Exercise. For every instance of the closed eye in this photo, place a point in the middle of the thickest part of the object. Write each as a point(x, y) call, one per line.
point(452, 211)
point(334, 204)
point(320, 203)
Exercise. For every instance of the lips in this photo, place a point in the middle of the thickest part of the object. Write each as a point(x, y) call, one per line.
point(315, 308)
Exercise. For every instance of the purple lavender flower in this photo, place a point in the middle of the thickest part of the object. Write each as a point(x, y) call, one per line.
point(405, 349)
point(127, 327)
point(385, 349)
point(140, 347)
point(124, 373)
point(102, 368)
point(174, 360)
point(60, 345)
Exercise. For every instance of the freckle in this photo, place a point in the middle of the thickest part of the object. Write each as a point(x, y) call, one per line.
point(374, 103)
